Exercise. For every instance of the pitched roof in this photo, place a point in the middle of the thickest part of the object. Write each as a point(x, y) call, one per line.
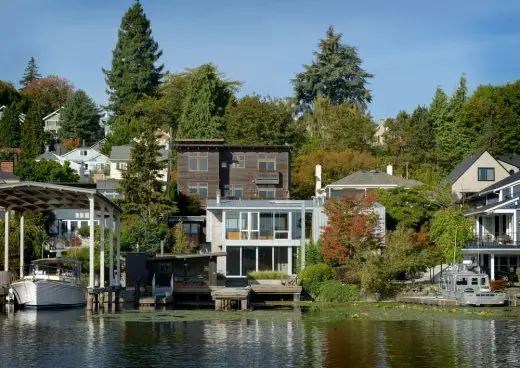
point(48, 156)
point(373, 178)
point(52, 114)
point(510, 159)
point(463, 166)
point(502, 183)
point(123, 153)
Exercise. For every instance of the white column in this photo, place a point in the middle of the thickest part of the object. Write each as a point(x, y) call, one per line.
point(6, 240)
point(118, 244)
point(492, 266)
point(92, 256)
point(256, 260)
point(111, 244)
point(102, 248)
point(302, 246)
point(289, 260)
point(22, 240)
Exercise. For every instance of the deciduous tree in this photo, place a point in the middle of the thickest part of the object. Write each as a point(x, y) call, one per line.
point(46, 171)
point(51, 92)
point(449, 231)
point(182, 243)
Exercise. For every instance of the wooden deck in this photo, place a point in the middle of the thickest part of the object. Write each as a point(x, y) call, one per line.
point(429, 300)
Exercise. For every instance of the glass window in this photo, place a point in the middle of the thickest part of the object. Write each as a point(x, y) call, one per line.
point(474, 281)
point(233, 191)
point(232, 226)
point(482, 281)
point(248, 260)
point(197, 161)
point(199, 188)
point(281, 259)
point(295, 251)
point(254, 225)
point(73, 226)
point(244, 228)
point(296, 220)
point(281, 225)
point(265, 258)
point(486, 174)
point(266, 162)
point(238, 160)
point(266, 226)
point(233, 261)
point(266, 193)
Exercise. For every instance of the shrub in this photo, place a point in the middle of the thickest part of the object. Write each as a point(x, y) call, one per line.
point(267, 275)
point(84, 231)
point(496, 285)
point(335, 291)
point(313, 275)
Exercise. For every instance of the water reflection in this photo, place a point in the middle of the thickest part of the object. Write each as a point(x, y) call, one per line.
point(73, 338)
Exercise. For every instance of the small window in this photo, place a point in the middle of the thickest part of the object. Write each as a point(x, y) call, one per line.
point(198, 161)
point(238, 161)
point(121, 165)
point(474, 281)
point(266, 162)
point(482, 281)
point(266, 193)
point(83, 153)
point(233, 191)
point(199, 188)
point(486, 174)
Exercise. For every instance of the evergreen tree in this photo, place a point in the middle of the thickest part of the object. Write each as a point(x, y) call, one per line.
point(10, 128)
point(80, 119)
point(204, 105)
point(422, 136)
point(32, 141)
point(30, 74)
point(8, 94)
point(133, 74)
point(335, 73)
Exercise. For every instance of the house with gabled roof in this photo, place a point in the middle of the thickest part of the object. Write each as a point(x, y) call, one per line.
point(475, 173)
point(52, 122)
point(510, 162)
point(120, 157)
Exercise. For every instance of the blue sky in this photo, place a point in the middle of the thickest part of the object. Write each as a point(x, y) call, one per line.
point(411, 48)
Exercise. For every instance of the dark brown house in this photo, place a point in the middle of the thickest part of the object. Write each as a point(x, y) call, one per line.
point(208, 167)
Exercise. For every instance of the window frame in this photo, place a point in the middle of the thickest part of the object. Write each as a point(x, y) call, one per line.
point(230, 190)
point(198, 156)
point(485, 169)
point(266, 158)
point(236, 162)
point(265, 190)
point(198, 185)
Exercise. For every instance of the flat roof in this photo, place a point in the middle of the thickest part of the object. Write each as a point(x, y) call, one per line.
point(165, 257)
point(279, 204)
point(37, 197)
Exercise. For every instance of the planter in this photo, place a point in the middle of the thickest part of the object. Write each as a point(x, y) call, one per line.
point(265, 282)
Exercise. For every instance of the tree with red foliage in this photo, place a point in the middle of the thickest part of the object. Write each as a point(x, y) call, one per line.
point(352, 226)
point(51, 91)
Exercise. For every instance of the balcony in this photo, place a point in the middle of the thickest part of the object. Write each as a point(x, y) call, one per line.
point(503, 241)
point(268, 177)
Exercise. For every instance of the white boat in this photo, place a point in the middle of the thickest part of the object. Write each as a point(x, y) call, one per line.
point(51, 283)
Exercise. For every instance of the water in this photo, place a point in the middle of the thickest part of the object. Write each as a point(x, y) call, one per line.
point(341, 337)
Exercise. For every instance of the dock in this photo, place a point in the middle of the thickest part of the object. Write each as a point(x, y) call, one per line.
point(429, 300)
point(225, 298)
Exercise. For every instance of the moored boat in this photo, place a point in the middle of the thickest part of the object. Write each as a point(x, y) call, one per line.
point(51, 283)
point(469, 285)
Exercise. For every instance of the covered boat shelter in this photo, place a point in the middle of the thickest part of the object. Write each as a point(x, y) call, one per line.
point(28, 196)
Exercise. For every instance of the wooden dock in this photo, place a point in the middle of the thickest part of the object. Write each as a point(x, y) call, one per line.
point(294, 291)
point(225, 298)
point(429, 300)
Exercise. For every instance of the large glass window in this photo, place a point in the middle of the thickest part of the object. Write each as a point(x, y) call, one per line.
point(265, 258)
point(239, 160)
point(296, 220)
point(295, 251)
point(248, 260)
point(233, 191)
point(266, 162)
point(266, 193)
point(233, 261)
point(197, 161)
point(199, 188)
point(232, 225)
point(281, 225)
point(281, 259)
point(266, 226)
point(244, 228)
point(254, 225)
point(486, 174)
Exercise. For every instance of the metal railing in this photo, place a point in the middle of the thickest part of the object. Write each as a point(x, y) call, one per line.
point(498, 241)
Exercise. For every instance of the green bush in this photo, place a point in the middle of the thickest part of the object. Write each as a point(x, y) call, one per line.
point(267, 275)
point(314, 275)
point(335, 291)
point(84, 231)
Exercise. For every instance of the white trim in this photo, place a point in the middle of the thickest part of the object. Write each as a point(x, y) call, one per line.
point(52, 114)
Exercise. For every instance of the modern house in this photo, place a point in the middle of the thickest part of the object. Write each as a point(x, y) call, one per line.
point(208, 167)
point(496, 212)
point(477, 172)
point(362, 182)
point(52, 122)
point(261, 235)
point(120, 157)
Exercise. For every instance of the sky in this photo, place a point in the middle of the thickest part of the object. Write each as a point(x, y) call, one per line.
point(411, 47)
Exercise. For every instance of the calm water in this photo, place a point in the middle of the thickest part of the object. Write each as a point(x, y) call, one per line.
point(258, 339)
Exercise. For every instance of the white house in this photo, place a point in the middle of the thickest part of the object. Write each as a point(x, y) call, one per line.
point(2, 108)
point(120, 156)
point(261, 235)
point(52, 122)
point(50, 156)
point(90, 158)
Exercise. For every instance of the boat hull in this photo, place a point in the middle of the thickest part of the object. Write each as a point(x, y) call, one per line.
point(49, 294)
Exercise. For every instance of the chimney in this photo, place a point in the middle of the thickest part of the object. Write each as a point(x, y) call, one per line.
point(389, 170)
point(317, 179)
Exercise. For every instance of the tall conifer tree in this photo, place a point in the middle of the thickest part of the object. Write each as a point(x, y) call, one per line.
point(133, 73)
point(30, 74)
point(32, 133)
point(204, 105)
point(335, 73)
point(10, 128)
point(80, 117)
